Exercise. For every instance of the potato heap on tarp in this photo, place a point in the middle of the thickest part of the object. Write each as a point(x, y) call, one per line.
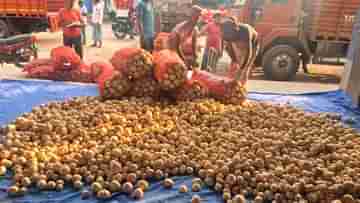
point(271, 153)
point(224, 89)
point(63, 65)
point(170, 70)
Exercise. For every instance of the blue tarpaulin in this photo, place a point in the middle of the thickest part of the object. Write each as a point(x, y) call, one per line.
point(17, 97)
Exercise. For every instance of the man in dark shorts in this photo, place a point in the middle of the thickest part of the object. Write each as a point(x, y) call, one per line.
point(242, 45)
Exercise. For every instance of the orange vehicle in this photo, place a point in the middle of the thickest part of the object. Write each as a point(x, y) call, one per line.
point(295, 31)
point(26, 16)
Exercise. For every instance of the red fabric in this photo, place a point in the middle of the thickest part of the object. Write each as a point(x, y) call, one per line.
point(214, 36)
point(65, 58)
point(70, 16)
point(164, 61)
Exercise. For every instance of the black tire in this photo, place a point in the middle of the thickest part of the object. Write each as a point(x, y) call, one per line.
point(120, 30)
point(281, 63)
point(4, 29)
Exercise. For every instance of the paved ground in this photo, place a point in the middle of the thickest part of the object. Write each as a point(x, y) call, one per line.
point(323, 78)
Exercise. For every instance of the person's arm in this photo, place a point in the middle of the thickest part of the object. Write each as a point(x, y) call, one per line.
point(194, 44)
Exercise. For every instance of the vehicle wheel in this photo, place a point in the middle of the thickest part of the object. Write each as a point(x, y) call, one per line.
point(4, 29)
point(120, 30)
point(281, 63)
point(31, 54)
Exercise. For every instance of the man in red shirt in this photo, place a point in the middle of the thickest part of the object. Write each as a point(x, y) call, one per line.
point(214, 40)
point(71, 22)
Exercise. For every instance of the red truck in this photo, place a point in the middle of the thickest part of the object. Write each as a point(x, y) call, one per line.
point(293, 32)
point(26, 16)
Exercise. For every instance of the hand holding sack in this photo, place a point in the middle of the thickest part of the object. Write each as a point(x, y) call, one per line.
point(224, 89)
point(134, 63)
point(170, 71)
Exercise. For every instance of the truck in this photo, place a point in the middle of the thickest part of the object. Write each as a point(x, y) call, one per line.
point(26, 16)
point(296, 32)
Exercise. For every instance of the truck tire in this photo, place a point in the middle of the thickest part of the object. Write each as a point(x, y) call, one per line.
point(4, 29)
point(281, 63)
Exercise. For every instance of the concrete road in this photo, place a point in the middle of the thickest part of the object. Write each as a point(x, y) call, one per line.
point(324, 78)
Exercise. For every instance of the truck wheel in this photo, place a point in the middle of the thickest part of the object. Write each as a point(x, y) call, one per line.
point(281, 63)
point(4, 29)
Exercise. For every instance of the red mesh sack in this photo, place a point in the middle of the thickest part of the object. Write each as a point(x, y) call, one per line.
point(161, 41)
point(34, 63)
point(100, 70)
point(224, 89)
point(170, 71)
point(82, 73)
point(43, 71)
point(134, 63)
point(65, 58)
point(191, 90)
point(40, 68)
point(145, 87)
point(112, 84)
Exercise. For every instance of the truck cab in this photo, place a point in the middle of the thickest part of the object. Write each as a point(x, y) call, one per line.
point(278, 23)
point(293, 32)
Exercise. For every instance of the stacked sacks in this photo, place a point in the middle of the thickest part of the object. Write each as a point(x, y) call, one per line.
point(132, 75)
point(64, 65)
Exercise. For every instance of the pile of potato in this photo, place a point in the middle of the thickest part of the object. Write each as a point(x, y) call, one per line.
point(267, 152)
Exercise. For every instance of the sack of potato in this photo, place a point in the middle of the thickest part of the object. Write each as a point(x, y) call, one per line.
point(161, 41)
point(40, 69)
point(65, 58)
point(134, 63)
point(169, 69)
point(192, 90)
point(224, 89)
point(112, 84)
point(145, 87)
point(82, 73)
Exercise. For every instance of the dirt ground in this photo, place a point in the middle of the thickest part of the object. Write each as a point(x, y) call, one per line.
point(322, 77)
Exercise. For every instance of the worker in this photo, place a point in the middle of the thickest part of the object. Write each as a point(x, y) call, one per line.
point(84, 16)
point(132, 4)
point(146, 21)
point(71, 22)
point(242, 45)
point(97, 21)
point(214, 40)
point(183, 38)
